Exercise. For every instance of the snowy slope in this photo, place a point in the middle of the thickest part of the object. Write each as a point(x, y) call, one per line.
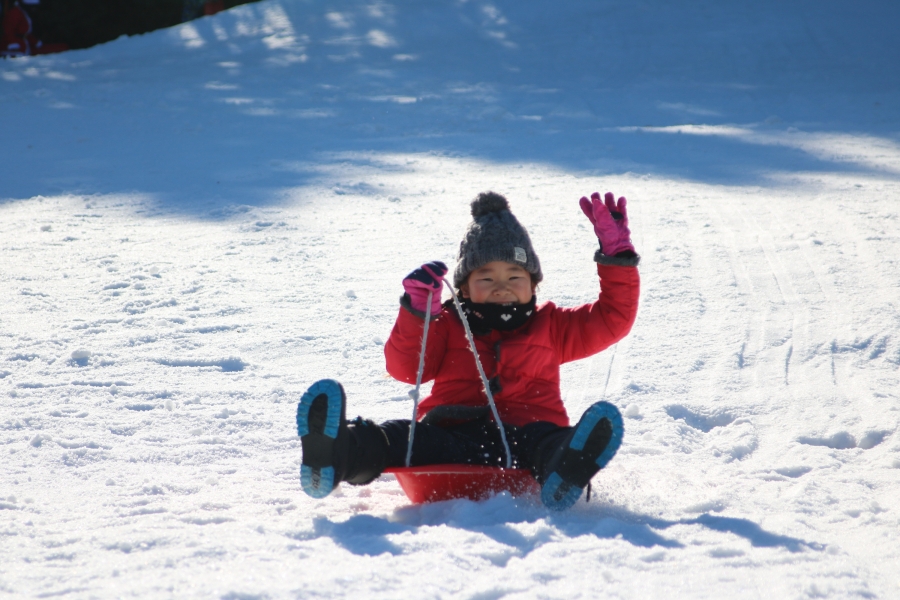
point(195, 224)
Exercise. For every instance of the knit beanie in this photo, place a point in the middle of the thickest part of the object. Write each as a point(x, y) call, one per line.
point(494, 234)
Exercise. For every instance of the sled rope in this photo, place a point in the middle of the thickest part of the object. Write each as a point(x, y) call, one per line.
point(609, 371)
point(415, 393)
point(484, 379)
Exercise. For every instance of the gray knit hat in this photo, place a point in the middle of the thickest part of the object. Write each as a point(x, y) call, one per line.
point(494, 234)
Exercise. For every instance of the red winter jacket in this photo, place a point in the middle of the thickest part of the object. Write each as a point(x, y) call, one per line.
point(525, 362)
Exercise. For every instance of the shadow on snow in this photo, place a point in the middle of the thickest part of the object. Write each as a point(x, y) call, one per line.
point(369, 535)
point(206, 115)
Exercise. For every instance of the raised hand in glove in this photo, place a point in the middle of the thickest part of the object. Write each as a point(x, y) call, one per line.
point(610, 221)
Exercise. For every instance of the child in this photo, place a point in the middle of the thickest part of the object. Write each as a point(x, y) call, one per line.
point(521, 346)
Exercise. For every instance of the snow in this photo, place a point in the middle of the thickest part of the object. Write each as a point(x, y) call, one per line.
point(196, 224)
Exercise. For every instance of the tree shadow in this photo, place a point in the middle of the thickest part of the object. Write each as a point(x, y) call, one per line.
point(206, 116)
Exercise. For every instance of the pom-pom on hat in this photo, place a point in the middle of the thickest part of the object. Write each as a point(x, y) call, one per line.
point(494, 234)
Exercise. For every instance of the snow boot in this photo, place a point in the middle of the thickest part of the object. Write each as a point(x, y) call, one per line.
point(334, 450)
point(585, 450)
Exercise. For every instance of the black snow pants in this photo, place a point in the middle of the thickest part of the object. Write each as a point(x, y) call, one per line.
point(474, 442)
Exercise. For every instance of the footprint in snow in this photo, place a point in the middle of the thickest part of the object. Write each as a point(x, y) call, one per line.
point(698, 420)
point(843, 440)
point(793, 472)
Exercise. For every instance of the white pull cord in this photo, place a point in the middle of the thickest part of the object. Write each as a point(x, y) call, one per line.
point(484, 379)
point(415, 393)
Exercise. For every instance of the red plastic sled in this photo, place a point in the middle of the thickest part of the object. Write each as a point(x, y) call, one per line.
point(435, 483)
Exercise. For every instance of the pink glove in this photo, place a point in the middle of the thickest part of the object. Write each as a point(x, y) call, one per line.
point(610, 223)
point(427, 278)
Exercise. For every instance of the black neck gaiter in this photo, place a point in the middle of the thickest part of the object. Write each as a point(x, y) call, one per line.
point(502, 317)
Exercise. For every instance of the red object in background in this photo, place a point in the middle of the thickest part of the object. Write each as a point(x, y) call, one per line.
point(16, 37)
point(435, 483)
point(211, 7)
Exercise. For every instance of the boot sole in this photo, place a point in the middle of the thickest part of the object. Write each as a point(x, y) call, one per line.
point(581, 461)
point(319, 415)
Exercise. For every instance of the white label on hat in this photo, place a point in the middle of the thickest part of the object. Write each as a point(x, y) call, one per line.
point(520, 254)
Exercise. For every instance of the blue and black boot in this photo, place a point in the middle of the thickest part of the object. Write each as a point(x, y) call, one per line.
point(334, 450)
point(587, 448)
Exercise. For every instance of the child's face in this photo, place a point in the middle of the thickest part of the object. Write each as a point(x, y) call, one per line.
point(498, 282)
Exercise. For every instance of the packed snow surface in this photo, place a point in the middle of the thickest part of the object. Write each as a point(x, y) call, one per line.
point(198, 223)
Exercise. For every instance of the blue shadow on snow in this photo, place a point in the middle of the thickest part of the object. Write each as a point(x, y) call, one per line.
point(367, 535)
point(198, 129)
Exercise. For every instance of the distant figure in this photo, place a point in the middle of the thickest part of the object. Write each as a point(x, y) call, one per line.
point(17, 34)
point(194, 9)
point(211, 7)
